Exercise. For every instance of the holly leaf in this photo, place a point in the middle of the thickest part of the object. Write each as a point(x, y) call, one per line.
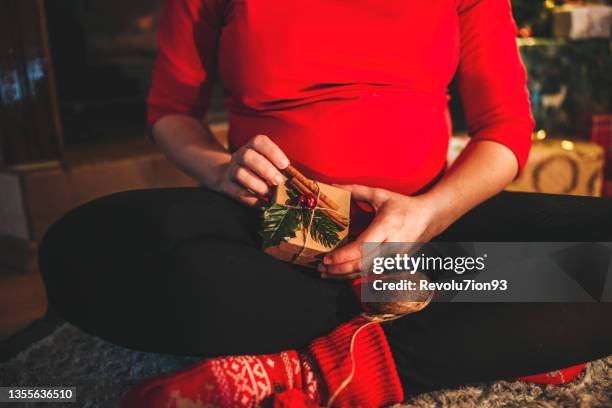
point(323, 229)
point(280, 223)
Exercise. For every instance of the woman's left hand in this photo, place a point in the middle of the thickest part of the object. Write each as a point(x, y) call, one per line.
point(399, 218)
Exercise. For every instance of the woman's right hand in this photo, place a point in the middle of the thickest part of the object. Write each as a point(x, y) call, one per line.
point(253, 168)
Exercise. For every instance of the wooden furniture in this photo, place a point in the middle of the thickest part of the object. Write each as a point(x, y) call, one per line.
point(29, 119)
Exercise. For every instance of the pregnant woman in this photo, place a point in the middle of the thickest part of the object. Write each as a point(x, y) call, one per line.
point(351, 92)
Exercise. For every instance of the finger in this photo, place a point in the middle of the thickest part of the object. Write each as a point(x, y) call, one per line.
point(270, 150)
point(358, 192)
point(375, 196)
point(249, 180)
point(240, 193)
point(375, 233)
point(341, 270)
point(257, 163)
point(249, 200)
point(349, 276)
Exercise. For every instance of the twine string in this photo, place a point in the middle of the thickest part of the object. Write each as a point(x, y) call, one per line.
point(371, 319)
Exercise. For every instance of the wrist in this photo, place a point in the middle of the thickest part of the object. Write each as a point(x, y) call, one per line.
point(439, 212)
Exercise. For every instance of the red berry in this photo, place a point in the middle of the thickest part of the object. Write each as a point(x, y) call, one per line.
point(308, 201)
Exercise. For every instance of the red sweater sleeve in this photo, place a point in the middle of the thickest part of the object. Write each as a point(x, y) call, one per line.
point(188, 36)
point(492, 77)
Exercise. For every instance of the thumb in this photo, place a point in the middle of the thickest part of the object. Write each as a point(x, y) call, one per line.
point(358, 192)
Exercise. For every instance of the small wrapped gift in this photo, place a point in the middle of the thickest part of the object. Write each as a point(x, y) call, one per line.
point(555, 166)
point(582, 21)
point(305, 220)
point(562, 167)
point(601, 133)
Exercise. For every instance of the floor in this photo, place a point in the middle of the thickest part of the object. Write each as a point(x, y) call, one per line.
point(22, 300)
point(23, 311)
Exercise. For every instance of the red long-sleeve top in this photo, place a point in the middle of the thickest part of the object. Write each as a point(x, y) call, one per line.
point(353, 91)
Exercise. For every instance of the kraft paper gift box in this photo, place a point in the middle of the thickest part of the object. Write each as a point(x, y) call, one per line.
point(291, 234)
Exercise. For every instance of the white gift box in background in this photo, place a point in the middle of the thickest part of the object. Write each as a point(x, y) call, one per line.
point(582, 22)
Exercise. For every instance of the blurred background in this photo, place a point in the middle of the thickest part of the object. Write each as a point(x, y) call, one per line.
point(74, 75)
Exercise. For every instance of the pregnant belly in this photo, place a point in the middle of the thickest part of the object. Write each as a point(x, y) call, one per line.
point(378, 136)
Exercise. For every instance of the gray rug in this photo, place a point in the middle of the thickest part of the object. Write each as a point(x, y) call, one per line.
point(103, 372)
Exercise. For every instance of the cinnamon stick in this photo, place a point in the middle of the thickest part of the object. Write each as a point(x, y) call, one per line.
point(311, 185)
point(338, 219)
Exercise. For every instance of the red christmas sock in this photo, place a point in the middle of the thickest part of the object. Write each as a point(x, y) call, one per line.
point(236, 381)
point(356, 366)
point(352, 365)
point(562, 376)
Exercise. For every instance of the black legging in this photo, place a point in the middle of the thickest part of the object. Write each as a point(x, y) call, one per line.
point(181, 271)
